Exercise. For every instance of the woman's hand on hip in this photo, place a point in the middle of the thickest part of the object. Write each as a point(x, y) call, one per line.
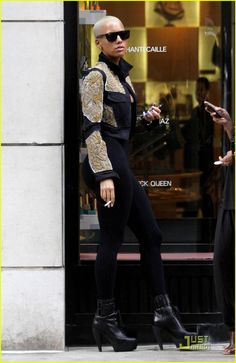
point(107, 191)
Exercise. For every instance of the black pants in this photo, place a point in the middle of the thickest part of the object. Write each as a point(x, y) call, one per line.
point(131, 208)
point(224, 265)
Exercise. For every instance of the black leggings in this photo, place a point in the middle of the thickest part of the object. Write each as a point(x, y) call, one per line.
point(224, 265)
point(132, 208)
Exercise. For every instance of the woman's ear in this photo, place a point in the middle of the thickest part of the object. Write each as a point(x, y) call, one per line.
point(98, 44)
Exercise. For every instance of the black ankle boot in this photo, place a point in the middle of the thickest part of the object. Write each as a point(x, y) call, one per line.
point(107, 324)
point(166, 318)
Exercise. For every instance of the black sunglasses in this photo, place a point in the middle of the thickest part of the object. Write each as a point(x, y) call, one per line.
point(111, 37)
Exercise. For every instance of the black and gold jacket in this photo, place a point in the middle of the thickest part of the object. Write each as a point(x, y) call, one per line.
point(106, 94)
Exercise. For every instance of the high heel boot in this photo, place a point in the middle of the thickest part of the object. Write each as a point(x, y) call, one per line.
point(107, 324)
point(166, 319)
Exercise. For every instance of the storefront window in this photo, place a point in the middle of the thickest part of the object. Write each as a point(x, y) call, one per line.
point(175, 48)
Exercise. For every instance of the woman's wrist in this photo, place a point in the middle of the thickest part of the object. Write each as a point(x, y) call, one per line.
point(228, 128)
point(232, 145)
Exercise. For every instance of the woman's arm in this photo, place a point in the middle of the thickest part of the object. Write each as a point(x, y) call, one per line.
point(92, 108)
point(224, 120)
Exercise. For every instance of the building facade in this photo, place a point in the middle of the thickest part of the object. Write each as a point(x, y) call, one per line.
point(33, 269)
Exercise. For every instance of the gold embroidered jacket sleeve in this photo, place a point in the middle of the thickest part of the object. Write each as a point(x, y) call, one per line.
point(92, 107)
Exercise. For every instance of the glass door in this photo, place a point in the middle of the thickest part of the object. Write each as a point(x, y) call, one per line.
point(177, 57)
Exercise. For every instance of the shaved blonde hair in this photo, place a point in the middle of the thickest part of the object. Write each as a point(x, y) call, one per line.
point(106, 19)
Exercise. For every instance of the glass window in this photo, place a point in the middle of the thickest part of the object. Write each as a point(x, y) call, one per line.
point(175, 48)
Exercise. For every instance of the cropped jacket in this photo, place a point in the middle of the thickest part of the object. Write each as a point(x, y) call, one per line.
point(106, 95)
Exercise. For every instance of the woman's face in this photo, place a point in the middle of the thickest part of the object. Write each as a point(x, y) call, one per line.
point(116, 49)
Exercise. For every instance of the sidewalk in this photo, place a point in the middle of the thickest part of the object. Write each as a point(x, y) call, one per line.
point(144, 353)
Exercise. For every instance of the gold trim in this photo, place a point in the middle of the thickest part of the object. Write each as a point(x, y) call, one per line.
point(108, 115)
point(97, 153)
point(92, 96)
point(112, 82)
point(128, 80)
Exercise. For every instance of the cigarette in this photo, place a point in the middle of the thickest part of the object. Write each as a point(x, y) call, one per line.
point(107, 204)
point(218, 162)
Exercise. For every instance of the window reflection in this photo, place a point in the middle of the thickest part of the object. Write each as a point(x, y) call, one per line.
point(173, 159)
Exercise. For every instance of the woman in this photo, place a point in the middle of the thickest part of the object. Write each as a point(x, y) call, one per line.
point(224, 244)
point(109, 110)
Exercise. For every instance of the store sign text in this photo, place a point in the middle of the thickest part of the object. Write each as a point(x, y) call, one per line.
point(155, 183)
point(148, 49)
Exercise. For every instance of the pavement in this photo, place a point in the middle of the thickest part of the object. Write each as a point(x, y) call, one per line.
point(143, 353)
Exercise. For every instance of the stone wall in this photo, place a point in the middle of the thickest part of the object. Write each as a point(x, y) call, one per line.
point(33, 293)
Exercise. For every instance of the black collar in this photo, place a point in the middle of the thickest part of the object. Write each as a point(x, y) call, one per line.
point(122, 70)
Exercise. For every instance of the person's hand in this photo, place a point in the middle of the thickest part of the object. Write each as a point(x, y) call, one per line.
point(153, 113)
point(224, 120)
point(107, 191)
point(227, 159)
